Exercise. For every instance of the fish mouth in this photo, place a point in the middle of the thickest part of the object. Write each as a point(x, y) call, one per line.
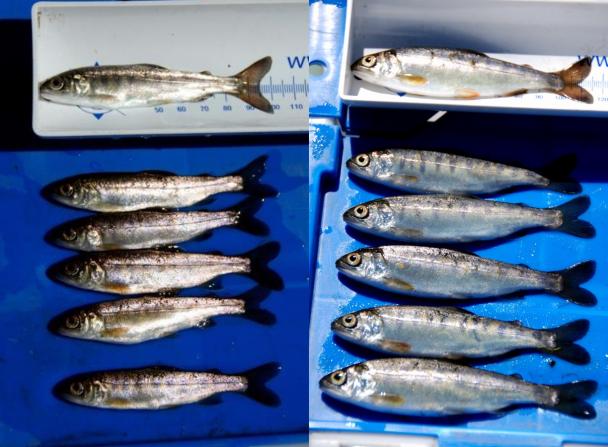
point(336, 326)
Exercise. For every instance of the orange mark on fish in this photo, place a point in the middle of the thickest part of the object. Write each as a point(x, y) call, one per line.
point(467, 93)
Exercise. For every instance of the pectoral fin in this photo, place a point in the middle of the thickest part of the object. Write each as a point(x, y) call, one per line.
point(387, 400)
point(398, 347)
point(413, 79)
point(399, 284)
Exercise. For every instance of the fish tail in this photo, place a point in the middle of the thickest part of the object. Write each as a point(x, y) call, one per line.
point(245, 220)
point(572, 278)
point(571, 399)
point(259, 270)
point(558, 173)
point(571, 223)
point(252, 300)
point(256, 384)
point(251, 175)
point(249, 84)
point(571, 77)
point(564, 338)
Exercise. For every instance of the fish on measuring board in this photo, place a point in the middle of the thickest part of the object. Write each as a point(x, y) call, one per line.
point(430, 272)
point(136, 320)
point(132, 272)
point(112, 87)
point(160, 387)
point(435, 388)
point(453, 333)
point(121, 192)
point(445, 73)
point(148, 229)
point(452, 219)
point(420, 171)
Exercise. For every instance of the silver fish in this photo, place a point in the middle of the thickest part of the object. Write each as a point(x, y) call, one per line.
point(449, 218)
point(130, 272)
point(437, 172)
point(441, 273)
point(147, 229)
point(156, 388)
point(465, 74)
point(419, 387)
point(120, 192)
point(112, 87)
point(453, 333)
point(135, 320)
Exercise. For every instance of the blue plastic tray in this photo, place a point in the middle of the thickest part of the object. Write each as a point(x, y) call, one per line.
point(32, 359)
point(528, 141)
point(325, 37)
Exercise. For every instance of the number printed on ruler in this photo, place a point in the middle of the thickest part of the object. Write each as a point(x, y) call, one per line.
point(287, 93)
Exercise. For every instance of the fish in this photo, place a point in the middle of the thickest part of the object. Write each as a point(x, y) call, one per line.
point(160, 387)
point(445, 73)
point(423, 172)
point(136, 320)
point(112, 87)
point(112, 192)
point(435, 388)
point(441, 218)
point(151, 228)
point(430, 272)
point(454, 333)
point(133, 272)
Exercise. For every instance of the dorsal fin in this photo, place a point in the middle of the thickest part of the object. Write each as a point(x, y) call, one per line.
point(159, 67)
point(475, 52)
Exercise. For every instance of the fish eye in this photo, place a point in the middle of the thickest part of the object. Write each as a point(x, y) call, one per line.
point(353, 259)
point(338, 378)
point(77, 388)
point(66, 190)
point(368, 61)
point(71, 269)
point(56, 84)
point(72, 322)
point(362, 160)
point(69, 235)
point(361, 212)
point(349, 321)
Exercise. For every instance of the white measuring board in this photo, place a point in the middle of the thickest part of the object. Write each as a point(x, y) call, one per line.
point(222, 37)
point(358, 92)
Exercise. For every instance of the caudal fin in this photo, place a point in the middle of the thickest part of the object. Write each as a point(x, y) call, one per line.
point(573, 76)
point(572, 278)
point(245, 219)
point(571, 224)
point(253, 312)
point(256, 384)
point(259, 270)
point(565, 336)
point(558, 173)
point(249, 84)
point(571, 399)
point(251, 175)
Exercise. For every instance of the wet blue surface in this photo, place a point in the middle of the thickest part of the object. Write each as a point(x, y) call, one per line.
point(525, 141)
point(32, 359)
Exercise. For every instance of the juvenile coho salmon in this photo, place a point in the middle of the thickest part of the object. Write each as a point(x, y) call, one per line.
point(451, 219)
point(453, 333)
point(419, 387)
point(466, 74)
point(148, 229)
point(158, 387)
point(437, 172)
point(111, 87)
point(120, 192)
point(431, 272)
point(135, 320)
point(131, 272)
